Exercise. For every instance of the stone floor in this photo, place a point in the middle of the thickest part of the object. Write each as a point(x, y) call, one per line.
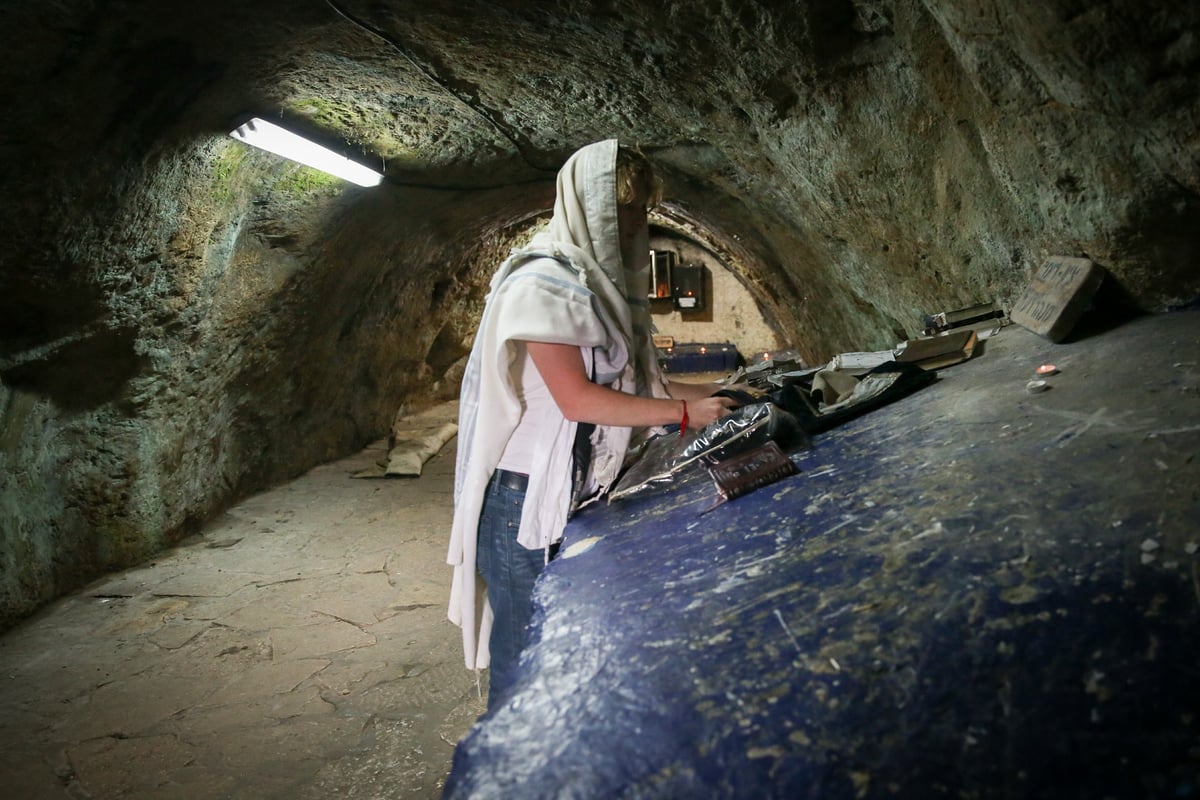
point(298, 647)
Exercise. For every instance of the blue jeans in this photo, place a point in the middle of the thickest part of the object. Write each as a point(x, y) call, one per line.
point(510, 571)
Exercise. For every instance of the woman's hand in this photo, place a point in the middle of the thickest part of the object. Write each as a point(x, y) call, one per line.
point(708, 409)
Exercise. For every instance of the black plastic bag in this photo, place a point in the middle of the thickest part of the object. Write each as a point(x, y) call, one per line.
point(877, 387)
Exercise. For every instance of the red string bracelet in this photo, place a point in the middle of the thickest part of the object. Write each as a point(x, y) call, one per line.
point(684, 421)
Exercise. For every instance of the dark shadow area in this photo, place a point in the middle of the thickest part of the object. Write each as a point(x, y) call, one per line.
point(1111, 307)
point(37, 309)
point(81, 375)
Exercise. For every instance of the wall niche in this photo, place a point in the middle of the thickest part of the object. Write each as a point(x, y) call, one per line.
point(728, 313)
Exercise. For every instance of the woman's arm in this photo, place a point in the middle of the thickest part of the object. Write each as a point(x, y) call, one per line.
point(580, 400)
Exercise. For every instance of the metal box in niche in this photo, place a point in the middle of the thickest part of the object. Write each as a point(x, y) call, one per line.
point(689, 287)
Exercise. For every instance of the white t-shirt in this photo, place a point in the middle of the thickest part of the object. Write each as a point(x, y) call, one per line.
point(537, 406)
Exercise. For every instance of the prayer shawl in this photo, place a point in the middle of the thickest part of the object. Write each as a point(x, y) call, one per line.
point(568, 286)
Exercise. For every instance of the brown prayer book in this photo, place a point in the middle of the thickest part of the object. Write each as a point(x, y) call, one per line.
point(935, 352)
point(754, 468)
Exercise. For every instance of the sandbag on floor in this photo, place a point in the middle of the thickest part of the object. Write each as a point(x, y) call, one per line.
point(414, 440)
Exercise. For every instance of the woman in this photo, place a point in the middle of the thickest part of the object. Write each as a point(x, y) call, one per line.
point(561, 371)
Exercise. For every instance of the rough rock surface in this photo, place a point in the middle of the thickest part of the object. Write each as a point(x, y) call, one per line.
point(184, 321)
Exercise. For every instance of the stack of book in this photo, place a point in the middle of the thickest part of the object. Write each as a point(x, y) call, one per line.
point(928, 352)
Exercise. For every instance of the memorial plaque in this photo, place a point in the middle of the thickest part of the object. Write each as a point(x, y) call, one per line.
point(1057, 296)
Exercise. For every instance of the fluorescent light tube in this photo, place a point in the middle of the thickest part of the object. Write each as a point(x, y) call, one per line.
point(269, 136)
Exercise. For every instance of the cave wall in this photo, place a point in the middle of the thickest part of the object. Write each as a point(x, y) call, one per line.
point(932, 155)
point(184, 321)
point(276, 321)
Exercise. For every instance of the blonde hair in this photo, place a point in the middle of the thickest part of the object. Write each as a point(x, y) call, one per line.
point(637, 182)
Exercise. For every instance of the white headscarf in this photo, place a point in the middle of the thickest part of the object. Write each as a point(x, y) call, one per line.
point(585, 217)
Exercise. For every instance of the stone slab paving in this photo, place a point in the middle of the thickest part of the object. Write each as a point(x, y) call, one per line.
point(297, 647)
